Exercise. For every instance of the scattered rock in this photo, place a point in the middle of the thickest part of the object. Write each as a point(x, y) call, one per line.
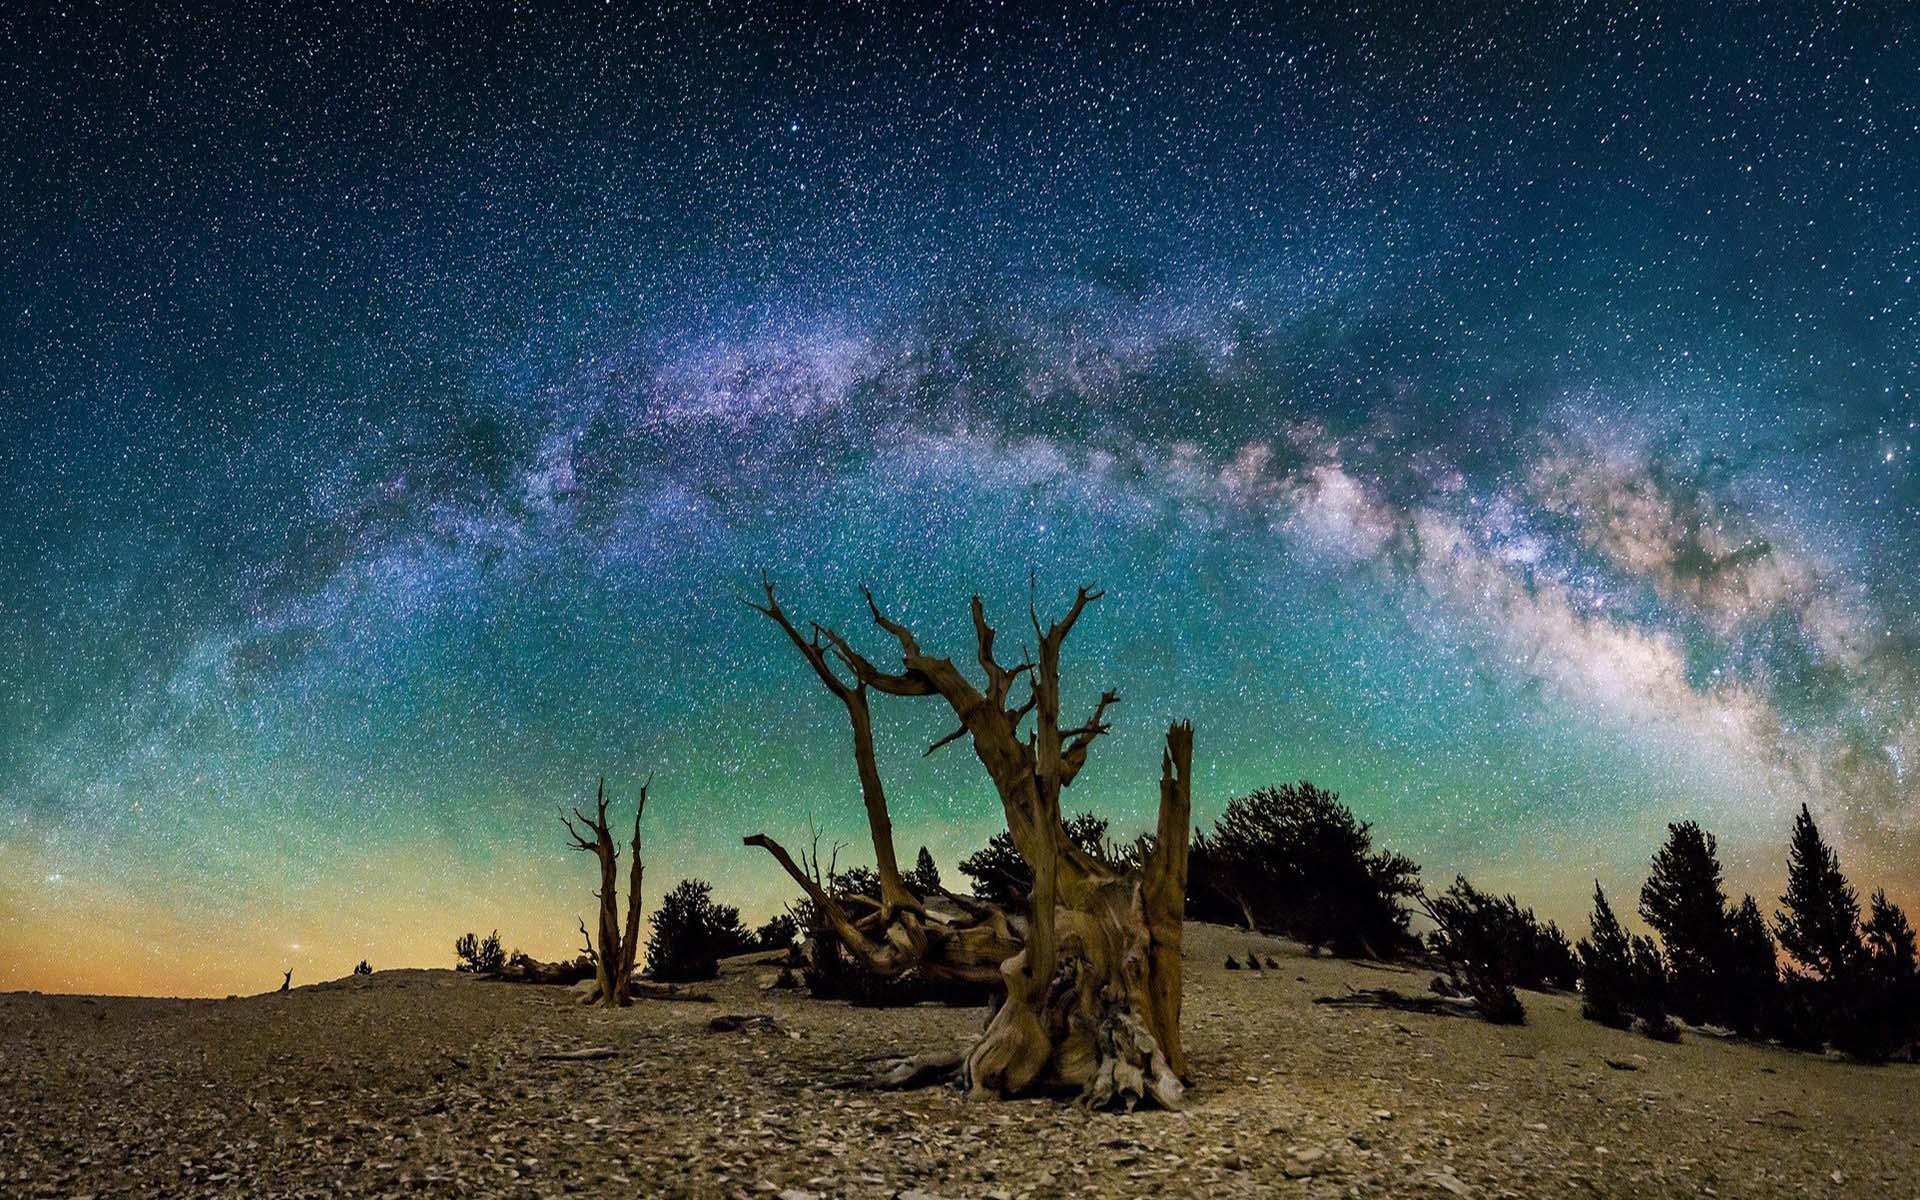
point(1448, 1182)
point(744, 1023)
point(431, 1084)
point(586, 1054)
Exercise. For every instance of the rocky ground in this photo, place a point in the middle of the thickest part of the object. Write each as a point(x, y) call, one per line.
point(430, 1083)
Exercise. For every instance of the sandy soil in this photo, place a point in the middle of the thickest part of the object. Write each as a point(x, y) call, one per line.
point(428, 1083)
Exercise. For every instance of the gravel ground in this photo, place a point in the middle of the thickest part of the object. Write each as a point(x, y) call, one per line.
point(429, 1083)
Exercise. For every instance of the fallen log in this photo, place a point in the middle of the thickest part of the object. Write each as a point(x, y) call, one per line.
point(1387, 998)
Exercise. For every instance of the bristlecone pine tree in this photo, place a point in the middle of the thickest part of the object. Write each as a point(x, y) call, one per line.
point(924, 879)
point(613, 958)
point(1820, 922)
point(1000, 876)
point(1650, 991)
point(1606, 967)
point(1089, 981)
point(1685, 904)
point(1749, 971)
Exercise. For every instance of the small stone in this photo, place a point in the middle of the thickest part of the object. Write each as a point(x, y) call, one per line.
point(1446, 1181)
point(1381, 1114)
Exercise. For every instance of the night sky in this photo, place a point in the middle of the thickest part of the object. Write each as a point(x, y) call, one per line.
point(1505, 416)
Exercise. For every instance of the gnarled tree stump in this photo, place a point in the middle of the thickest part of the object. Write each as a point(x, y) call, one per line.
point(1088, 981)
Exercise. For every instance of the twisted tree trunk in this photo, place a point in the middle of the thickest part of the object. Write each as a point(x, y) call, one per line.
point(613, 957)
point(1089, 980)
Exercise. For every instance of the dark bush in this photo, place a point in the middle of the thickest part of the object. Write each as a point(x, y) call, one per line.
point(1295, 860)
point(1532, 954)
point(778, 933)
point(480, 957)
point(1473, 936)
point(691, 934)
point(364, 968)
point(1001, 876)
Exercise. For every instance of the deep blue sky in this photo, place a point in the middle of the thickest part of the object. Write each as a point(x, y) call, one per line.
point(1503, 414)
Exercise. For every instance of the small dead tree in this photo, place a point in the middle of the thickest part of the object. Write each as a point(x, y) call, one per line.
point(1088, 981)
point(613, 958)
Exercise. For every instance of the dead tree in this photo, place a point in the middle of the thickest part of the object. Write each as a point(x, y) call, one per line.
point(613, 958)
point(1088, 981)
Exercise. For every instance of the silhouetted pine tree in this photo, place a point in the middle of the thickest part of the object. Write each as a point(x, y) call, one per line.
point(1889, 939)
point(1819, 926)
point(1296, 859)
point(1554, 963)
point(1650, 992)
point(1684, 903)
point(1877, 1010)
point(1748, 972)
point(1001, 876)
point(1606, 967)
point(691, 934)
point(924, 879)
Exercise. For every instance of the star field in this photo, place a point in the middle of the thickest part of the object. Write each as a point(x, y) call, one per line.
point(1502, 414)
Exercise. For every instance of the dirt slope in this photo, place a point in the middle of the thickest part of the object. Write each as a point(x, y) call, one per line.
point(427, 1083)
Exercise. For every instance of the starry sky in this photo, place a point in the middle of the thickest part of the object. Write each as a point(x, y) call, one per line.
point(1503, 414)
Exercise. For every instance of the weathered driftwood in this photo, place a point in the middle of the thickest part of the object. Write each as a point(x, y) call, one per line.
point(914, 1070)
point(587, 1054)
point(747, 1023)
point(669, 991)
point(1088, 986)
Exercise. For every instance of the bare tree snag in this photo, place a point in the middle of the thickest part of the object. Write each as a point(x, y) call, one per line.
point(613, 957)
point(1088, 982)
